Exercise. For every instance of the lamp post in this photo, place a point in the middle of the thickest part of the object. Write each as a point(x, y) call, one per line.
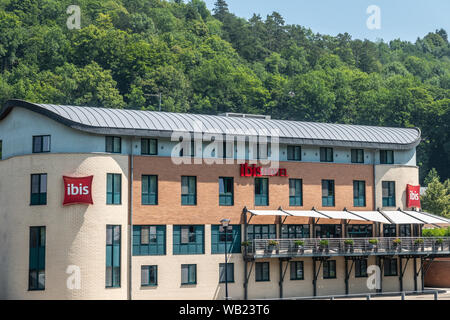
point(224, 228)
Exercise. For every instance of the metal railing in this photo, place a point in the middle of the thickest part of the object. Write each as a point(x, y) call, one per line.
point(260, 248)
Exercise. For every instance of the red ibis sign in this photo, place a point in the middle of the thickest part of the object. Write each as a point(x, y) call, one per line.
point(412, 196)
point(77, 190)
point(253, 171)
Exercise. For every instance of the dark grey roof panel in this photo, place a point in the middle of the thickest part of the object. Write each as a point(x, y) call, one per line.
point(162, 124)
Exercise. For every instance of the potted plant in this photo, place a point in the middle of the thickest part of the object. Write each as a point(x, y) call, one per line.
point(323, 244)
point(272, 244)
point(397, 243)
point(373, 244)
point(439, 243)
point(349, 245)
point(299, 245)
point(418, 243)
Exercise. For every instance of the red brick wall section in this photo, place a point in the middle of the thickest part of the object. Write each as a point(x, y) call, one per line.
point(438, 275)
point(207, 211)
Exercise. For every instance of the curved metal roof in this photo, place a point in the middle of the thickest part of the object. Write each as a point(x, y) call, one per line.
point(162, 124)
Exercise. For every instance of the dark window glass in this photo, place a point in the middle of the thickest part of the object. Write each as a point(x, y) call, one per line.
point(329, 269)
point(261, 231)
point(359, 193)
point(38, 189)
point(233, 238)
point(188, 274)
point(328, 193)
point(405, 230)
point(188, 239)
point(113, 255)
point(390, 267)
point(261, 192)
point(388, 193)
point(113, 144)
point(294, 153)
point(226, 197)
point(36, 270)
point(113, 188)
point(361, 268)
point(386, 156)
point(357, 156)
point(262, 271)
point(191, 148)
point(188, 190)
point(41, 144)
point(326, 154)
point(297, 270)
point(230, 272)
point(149, 240)
point(295, 192)
point(328, 231)
point(149, 189)
point(149, 147)
point(149, 276)
point(389, 230)
point(294, 231)
point(359, 230)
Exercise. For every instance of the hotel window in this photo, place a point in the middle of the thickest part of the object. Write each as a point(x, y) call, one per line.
point(113, 188)
point(359, 230)
point(1, 149)
point(328, 231)
point(262, 271)
point(294, 153)
point(326, 154)
point(405, 230)
point(191, 147)
point(227, 149)
point(38, 189)
point(41, 144)
point(226, 197)
point(357, 156)
point(261, 231)
point(149, 240)
point(297, 270)
point(113, 144)
point(149, 276)
point(188, 190)
point(359, 193)
point(262, 150)
point(295, 192)
point(389, 230)
point(233, 239)
point(361, 268)
point(328, 193)
point(188, 274)
point(329, 269)
point(149, 189)
point(36, 274)
point(230, 272)
point(149, 147)
point(261, 192)
point(390, 267)
point(388, 192)
point(189, 239)
point(386, 156)
point(113, 256)
point(294, 231)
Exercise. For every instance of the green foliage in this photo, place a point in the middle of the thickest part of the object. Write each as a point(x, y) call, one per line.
point(129, 50)
point(323, 243)
point(373, 241)
point(437, 196)
point(436, 232)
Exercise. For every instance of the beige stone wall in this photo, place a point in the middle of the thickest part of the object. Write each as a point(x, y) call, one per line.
point(76, 234)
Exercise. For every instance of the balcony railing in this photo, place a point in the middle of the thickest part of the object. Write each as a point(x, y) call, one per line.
point(312, 247)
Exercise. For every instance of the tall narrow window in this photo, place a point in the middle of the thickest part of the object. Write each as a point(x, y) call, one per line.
point(386, 156)
point(294, 153)
point(149, 189)
point(361, 268)
point(149, 147)
point(297, 270)
point(230, 272)
point(41, 144)
point(328, 193)
point(261, 192)
point(295, 192)
point(262, 271)
point(36, 279)
point(226, 191)
point(188, 274)
point(188, 190)
point(113, 256)
point(405, 230)
point(326, 154)
point(390, 267)
point(38, 189)
point(233, 239)
point(357, 156)
point(149, 276)
point(190, 147)
point(388, 193)
point(359, 193)
point(329, 269)
point(113, 188)
point(113, 144)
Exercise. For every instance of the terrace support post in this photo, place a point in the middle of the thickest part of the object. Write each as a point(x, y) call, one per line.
point(421, 273)
point(346, 275)
point(314, 278)
point(281, 278)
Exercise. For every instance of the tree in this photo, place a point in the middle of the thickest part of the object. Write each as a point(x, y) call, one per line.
point(437, 197)
point(220, 10)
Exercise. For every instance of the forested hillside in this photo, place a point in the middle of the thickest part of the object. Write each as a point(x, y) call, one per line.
point(210, 62)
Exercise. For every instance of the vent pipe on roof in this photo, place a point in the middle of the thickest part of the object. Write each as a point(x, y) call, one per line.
point(245, 115)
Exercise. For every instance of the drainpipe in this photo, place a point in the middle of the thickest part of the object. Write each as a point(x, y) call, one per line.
point(244, 213)
point(130, 223)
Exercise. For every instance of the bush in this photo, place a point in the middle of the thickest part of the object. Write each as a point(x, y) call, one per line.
point(273, 243)
point(323, 243)
point(436, 232)
point(349, 241)
point(373, 241)
point(397, 241)
point(418, 241)
point(299, 242)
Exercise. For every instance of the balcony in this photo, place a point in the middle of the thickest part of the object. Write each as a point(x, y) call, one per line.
point(317, 247)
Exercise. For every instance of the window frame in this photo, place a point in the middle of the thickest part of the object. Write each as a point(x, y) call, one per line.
point(113, 192)
point(259, 271)
point(39, 247)
point(330, 265)
point(390, 199)
point(325, 152)
point(230, 265)
point(113, 138)
point(384, 158)
point(226, 194)
point(333, 196)
point(189, 194)
point(361, 268)
point(357, 199)
point(294, 148)
point(354, 155)
point(189, 281)
point(294, 200)
point(149, 267)
point(286, 231)
point(41, 137)
point(115, 283)
point(261, 196)
point(40, 202)
point(148, 194)
point(390, 269)
point(294, 266)
point(271, 231)
point(148, 141)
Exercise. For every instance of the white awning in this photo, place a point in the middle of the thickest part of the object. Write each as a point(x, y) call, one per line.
point(372, 216)
point(427, 217)
point(268, 212)
point(342, 215)
point(399, 217)
point(305, 213)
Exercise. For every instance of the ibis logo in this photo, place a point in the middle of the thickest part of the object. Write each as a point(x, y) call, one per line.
point(77, 190)
point(412, 196)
